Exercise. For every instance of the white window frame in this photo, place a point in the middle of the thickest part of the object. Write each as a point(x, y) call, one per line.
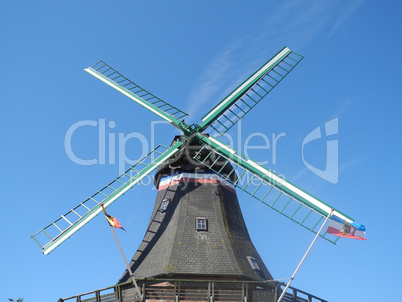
point(203, 226)
point(253, 263)
point(164, 205)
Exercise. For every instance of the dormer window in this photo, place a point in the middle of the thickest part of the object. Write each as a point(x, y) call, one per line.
point(164, 205)
point(201, 224)
point(253, 263)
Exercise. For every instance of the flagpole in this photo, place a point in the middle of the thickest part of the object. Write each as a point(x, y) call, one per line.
point(125, 259)
point(304, 257)
point(128, 267)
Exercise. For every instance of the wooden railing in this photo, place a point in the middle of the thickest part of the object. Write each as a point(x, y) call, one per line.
point(174, 290)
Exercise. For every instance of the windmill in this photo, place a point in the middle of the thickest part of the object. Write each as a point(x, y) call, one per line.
point(196, 228)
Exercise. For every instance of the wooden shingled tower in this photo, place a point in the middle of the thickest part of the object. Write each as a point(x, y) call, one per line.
point(196, 229)
point(197, 238)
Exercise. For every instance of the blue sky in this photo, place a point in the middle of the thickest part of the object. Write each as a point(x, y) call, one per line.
point(191, 54)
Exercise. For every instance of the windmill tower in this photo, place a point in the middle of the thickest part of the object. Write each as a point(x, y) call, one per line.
point(196, 229)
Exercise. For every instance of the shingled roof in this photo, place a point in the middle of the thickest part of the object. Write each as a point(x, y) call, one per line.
point(174, 247)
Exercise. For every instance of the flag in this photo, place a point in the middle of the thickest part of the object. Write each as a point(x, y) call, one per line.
point(112, 220)
point(342, 228)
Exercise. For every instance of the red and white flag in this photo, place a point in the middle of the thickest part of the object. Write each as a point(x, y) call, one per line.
point(342, 228)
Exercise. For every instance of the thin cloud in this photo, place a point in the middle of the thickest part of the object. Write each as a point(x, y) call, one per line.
point(348, 10)
point(343, 108)
point(301, 173)
point(210, 81)
point(292, 23)
point(350, 164)
point(317, 182)
point(297, 23)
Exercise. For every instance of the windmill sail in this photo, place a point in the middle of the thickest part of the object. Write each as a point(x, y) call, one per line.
point(239, 102)
point(259, 182)
point(66, 225)
point(267, 187)
point(115, 79)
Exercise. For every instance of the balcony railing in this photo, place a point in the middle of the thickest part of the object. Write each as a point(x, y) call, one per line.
point(186, 290)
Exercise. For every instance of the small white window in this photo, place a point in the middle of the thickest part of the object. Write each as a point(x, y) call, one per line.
point(201, 224)
point(164, 205)
point(253, 263)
